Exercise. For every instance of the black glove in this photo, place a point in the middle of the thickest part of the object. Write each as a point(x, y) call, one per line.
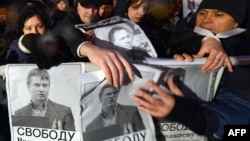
point(47, 50)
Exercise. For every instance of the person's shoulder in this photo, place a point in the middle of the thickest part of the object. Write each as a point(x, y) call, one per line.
point(72, 17)
point(127, 107)
point(14, 44)
point(58, 106)
point(22, 110)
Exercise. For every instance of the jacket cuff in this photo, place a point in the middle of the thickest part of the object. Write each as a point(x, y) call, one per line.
point(193, 114)
point(22, 47)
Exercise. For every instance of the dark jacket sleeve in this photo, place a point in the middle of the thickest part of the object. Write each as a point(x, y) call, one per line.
point(194, 115)
point(72, 36)
point(189, 43)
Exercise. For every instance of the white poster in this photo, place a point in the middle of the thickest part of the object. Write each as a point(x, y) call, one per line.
point(44, 104)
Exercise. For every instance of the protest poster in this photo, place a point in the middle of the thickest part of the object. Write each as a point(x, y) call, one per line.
point(44, 104)
point(195, 84)
point(121, 35)
point(80, 91)
point(189, 7)
point(109, 113)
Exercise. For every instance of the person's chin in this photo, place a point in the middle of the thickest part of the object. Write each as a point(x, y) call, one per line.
point(111, 104)
point(42, 97)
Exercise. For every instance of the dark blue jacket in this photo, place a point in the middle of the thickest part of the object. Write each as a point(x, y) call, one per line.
point(15, 55)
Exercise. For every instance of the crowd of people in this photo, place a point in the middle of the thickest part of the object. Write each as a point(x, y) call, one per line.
point(216, 29)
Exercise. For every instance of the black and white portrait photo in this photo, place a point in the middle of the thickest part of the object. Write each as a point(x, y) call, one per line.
point(125, 37)
point(109, 112)
point(41, 98)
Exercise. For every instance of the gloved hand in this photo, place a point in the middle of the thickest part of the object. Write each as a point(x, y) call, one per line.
point(46, 50)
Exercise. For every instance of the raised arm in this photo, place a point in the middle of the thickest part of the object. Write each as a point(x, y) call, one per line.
point(112, 63)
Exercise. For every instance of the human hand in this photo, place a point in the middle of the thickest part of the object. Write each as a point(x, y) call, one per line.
point(217, 56)
point(157, 107)
point(113, 64)
point(182, 57)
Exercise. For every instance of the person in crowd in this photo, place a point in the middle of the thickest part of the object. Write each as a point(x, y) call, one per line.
point(13, 12)
point(114, 3)
point(165, 39)
point(62, 5)
point(136, 10)
point(60, 116)
point(32, 20)
point(163, 20)
point(106, 9)
point(12, 17)
point(111, 62)
point(164, 42)
point(120, 7)
point(230, 105)
point(59, 11)
point(127, 117)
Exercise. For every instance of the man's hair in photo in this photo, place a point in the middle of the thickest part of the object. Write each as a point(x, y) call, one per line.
point(105, 87)
point(115, 29)
point(43, 73)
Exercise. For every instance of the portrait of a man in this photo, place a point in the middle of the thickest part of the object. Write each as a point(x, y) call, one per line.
point(126, 117)
point(59, 116)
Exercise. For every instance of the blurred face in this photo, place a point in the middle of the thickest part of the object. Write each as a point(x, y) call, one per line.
point(215, 20)
point(105, 11)
point(114, 3)
point(109, 98)
point(174, 9)
point(137, 11)
point(122, 38)
point(2, 15)
point(34, 25)
point(61, 5)
point(39, 89)
point(87, 14)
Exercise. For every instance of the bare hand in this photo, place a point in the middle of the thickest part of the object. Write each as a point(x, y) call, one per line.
point(217, 56)
point(182, 57)
point(156, 107)
point(113, 64)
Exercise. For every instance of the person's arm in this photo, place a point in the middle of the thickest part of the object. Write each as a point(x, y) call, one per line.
point(186, 111)
point(192, 114)
point(113, 64)
point(217, 56)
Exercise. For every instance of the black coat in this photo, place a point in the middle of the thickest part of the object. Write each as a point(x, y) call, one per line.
point(206, 122)
point(65, 28)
